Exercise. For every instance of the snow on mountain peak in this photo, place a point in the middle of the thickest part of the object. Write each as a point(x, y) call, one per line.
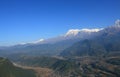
point(73, 32)
point(40, 40)
point(90, 30)
point(76, 31)
point(117, 23)
point(33, 42)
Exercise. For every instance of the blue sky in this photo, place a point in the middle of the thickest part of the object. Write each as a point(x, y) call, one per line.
point(29, 20)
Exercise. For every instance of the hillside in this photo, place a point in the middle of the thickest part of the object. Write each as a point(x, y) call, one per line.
point(50, 47)
point(106, 42)
point(86, 66)
point(8, 70)
point(98, 56)
point(58, 65)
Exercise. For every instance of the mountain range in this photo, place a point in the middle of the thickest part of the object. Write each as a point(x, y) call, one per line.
point(78, 53)
point(106, 41)
point(74, 39)
point(54, 46)
point(51, 46)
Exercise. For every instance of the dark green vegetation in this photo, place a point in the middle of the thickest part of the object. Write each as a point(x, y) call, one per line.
point(8, 70)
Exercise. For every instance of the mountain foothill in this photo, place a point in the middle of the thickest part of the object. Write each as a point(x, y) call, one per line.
point(78, 53)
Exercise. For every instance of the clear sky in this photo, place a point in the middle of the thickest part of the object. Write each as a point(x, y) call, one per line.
point(29, 20)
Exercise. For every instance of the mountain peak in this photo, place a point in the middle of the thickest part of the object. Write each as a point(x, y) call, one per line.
point(33, 42)
point(117, 23)
point(90, 30)
point(38, 41)
point(74, 32)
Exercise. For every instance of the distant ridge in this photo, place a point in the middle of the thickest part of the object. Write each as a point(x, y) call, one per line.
point(106, 41)
point(55, 45)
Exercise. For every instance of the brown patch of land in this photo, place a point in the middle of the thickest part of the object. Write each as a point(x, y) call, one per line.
point(40, 72)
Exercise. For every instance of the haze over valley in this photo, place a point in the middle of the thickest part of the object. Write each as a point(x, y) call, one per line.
point(75, 38)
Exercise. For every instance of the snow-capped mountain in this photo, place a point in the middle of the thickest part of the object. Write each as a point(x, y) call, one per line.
point(117, 23)
point(70, 34)
point(106, 41)
point(55, 45)
point(75, 32)
point(114, 28)
point(38, 41)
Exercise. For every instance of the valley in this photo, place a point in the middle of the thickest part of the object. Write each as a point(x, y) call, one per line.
point(71, 55)
point(59, 38)
point(85, 66)
point(40, 72)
